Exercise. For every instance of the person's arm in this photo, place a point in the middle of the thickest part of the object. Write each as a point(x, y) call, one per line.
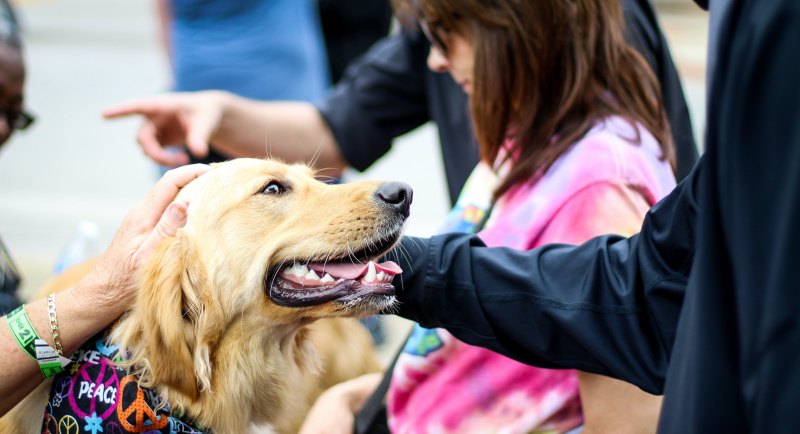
point(382, 96)
point(290, 131)
point(605, 207)
point(609, 306)
point(104, 294)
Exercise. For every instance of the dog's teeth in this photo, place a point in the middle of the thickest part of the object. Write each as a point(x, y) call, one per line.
point(381, 276)
point(311, 275)
point(371, 275)
point(326, 278)
point(296, 270)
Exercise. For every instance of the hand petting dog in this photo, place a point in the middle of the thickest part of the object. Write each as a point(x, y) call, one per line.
point(104, 292)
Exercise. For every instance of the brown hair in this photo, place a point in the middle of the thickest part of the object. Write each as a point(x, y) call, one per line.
point(545, 71)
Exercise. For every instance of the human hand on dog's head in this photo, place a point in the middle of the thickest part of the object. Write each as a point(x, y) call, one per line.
point(174, 119)
point(110, 287)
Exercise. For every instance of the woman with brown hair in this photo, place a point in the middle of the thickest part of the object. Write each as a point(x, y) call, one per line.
point(574, 143)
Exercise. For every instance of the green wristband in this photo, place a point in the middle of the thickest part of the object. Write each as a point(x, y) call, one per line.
point(50, 362)
point(23, 330)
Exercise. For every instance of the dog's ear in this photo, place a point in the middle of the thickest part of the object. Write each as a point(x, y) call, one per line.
point(158, 333)
point(204, 313)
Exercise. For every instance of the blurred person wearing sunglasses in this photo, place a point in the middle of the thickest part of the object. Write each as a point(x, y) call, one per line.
point(12, 117)
point(12, 76)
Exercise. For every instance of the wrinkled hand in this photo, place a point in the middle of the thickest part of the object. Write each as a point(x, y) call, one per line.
point(174, 119)
point(113, 279)
point(334, 411)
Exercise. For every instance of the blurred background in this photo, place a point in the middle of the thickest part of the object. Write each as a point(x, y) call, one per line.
point(72, 166)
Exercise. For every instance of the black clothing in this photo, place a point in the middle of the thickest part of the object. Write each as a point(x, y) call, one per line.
point(704, 303)
point(10, 280)
point(645, 35)
point(350, 27)
point(390, 91)
point(8, 302)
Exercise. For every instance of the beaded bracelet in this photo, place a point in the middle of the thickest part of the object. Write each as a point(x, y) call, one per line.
point(50, 362)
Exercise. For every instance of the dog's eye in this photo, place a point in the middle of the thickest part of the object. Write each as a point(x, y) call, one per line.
point(274, 187)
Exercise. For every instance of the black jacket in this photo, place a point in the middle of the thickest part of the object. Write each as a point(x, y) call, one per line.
point(704, 304)
point(390, 91)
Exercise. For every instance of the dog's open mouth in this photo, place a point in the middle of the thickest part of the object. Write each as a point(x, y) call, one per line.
point(310, 283)
point(300, 285)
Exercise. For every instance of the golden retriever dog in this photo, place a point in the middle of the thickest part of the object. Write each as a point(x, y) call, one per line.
point(224, 334)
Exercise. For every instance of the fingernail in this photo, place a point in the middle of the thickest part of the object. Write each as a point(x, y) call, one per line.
point(177, 210)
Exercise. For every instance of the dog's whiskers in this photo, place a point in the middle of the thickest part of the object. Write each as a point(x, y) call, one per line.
point(317, 154)
point(275, 276)
point(351, 255)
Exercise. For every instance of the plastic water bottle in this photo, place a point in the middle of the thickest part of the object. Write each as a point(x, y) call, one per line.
point(80, 248)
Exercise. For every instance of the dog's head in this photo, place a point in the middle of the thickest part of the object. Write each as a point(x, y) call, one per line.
point(265, 250)
point(258, 224)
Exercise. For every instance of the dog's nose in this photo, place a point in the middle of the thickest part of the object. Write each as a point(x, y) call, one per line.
point(398, 195)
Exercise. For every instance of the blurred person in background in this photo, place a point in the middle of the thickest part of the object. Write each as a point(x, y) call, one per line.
point(265, 49)
point(259, 49)
point(14, 117)
point(385, 93)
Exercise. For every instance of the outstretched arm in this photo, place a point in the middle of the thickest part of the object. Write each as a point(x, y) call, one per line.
point(609, 306)
point(383, 95)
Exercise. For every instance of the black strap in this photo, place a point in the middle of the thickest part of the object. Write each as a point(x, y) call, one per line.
point(374, 408)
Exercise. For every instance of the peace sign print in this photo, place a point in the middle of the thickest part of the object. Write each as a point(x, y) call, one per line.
point(68, 425)
point(144, 418)
point(94, 389)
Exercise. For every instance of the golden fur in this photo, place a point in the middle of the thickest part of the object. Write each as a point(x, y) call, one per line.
point(204, 330)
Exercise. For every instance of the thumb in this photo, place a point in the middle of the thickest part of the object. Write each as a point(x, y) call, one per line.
point(174, 218)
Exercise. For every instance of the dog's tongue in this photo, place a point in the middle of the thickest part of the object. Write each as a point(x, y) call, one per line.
point(353, 271)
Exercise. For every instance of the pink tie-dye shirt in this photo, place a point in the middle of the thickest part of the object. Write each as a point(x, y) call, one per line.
point(603, 184)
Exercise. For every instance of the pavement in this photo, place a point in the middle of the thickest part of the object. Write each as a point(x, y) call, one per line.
point(72, 166)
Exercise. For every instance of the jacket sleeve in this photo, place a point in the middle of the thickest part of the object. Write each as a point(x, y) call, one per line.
point(381, 96)
point(609, 306)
